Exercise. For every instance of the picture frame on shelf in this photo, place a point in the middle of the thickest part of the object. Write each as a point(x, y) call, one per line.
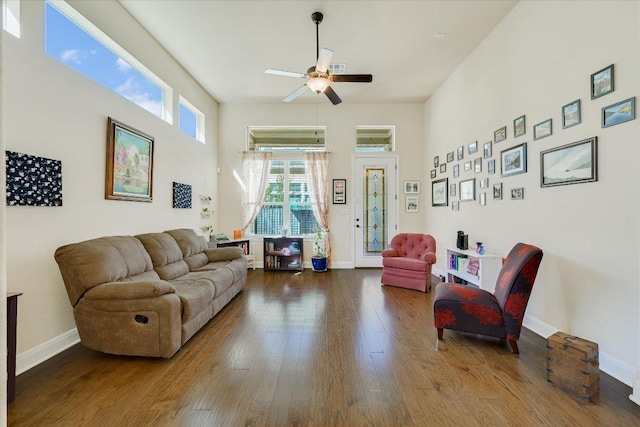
point(461, 152)
point(517, 193)
point(602, 82)
point(468, 190)
point(500, 135)
point(411, 204)
point(477, 165)
point(456, 171)
point(513, 160)
point(619, 112)
point(340, 191)
point(519, 126)
point(497, 191)
point(542, 129)
point(455, 206)
point(434, 173)
point(571, 115)
point(443, 168)
point(436, 161)
point(453, 190)
point(440, 192)
point(127, 179)
point(573, 163)
point(487, 150)
point(491, 166)
point(411, 187)
point(450, 157)
point(473, 147)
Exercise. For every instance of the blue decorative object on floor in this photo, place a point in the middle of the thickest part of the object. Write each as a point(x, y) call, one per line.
point(181, 196)
point(33, 181)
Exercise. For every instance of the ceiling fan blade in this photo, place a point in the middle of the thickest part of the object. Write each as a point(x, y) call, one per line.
point(353, 78)
point(324, 59)
point(295, 93)
point(286, 73)
point(332, 95)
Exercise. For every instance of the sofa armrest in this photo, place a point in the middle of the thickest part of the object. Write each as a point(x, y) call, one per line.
point(428, 257)
point(129, 290)
point(224, 254)
point(390, 252)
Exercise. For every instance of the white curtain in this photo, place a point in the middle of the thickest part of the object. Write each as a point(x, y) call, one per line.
point(316, 167)
point(255, 177)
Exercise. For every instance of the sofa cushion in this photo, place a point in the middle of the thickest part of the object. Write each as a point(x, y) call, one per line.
point(195, 295)
point(193, 247)
point(165, 255)
point(107, 259)
point(405, 263)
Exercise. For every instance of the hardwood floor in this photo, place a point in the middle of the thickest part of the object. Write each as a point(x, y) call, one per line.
point(320, 349)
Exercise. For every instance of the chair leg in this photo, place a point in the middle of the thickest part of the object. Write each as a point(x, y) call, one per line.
point(440, 333)
point(514, 346)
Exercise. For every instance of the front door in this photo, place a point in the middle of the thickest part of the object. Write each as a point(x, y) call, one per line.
point(375, 206)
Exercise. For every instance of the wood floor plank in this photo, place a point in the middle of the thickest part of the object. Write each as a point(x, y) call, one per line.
point(316, 349)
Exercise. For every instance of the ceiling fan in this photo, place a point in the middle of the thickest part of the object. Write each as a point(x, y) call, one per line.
point(318, 77)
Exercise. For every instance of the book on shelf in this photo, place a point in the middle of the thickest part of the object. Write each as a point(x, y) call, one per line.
point(473, 267)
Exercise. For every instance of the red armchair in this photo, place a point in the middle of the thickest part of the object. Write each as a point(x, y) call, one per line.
point(407, 263)
point(470, 309)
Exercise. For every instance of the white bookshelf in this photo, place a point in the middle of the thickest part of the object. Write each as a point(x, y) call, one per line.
point(489, 266)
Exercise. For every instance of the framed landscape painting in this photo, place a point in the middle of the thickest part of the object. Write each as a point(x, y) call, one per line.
point(500, 135)
point(542, 130)
point(439, 192)
point(514, 160)
point(129, 171)
point(571, 114)
point(569, 164)
point(620, 112)
point(602, 82)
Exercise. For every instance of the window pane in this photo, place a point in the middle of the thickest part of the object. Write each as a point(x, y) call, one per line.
point(269, 220)
point(298, 189)
point(74, 47)
point(275, 189)
point(302, 220)
point(188, 121)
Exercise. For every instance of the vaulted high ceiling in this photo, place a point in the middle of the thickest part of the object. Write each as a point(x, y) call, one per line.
point(227, 45)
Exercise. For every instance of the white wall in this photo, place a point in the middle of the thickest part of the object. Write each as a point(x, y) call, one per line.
point(539, 58)
point(341, 122)
point(52, 111)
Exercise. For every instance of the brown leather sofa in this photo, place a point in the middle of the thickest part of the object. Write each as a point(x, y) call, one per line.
point(146, 295)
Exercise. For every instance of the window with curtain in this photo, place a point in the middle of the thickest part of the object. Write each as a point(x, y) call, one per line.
point(286, 202)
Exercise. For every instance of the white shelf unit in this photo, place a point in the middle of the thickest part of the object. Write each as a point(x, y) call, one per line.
point(488, 270)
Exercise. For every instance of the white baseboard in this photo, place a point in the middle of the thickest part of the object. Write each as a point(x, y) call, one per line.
point(46, 350)
point(635, 397)
point(621, 371)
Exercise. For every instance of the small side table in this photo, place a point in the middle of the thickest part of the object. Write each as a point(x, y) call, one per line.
point(12, 318)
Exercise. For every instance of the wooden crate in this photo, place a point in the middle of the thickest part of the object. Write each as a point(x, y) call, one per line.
point(572, 365)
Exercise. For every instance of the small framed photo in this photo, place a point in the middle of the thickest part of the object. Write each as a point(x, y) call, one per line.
point(500, 135)
point(456, 171)
point(602, 82)
point(467, 166)
point(571, 114)
point(450, 157)
point(468, 190)
point(339, 191)
point(514, 160)
point(487, 150)
point(491, 166)
point(477, 165)
point(433, 173)
point(461, 152)
point(483, 199)
point(439, 192)
point(443, 168)
point(484, 183)
point(519, 127)
point(411, 204)
point(411, 187)
point(497, 191)
point(517, 193)
point(473, 147)
point(436, 161)
point(620, 112)
point(453, 190)
point(455, 206)
point(542, 130)
point(569, 164)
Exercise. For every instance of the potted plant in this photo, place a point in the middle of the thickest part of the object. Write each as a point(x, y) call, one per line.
point(319, 260)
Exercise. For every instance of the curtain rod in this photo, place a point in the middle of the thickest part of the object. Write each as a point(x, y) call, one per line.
point(290, 152)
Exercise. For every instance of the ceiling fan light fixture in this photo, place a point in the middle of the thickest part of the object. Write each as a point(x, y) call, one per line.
point(318, 84)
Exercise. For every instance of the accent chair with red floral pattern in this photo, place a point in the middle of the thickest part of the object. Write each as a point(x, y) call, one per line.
point(470, 309)
point(407, 263)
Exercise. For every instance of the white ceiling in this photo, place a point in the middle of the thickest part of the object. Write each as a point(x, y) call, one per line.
point(227, 45)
